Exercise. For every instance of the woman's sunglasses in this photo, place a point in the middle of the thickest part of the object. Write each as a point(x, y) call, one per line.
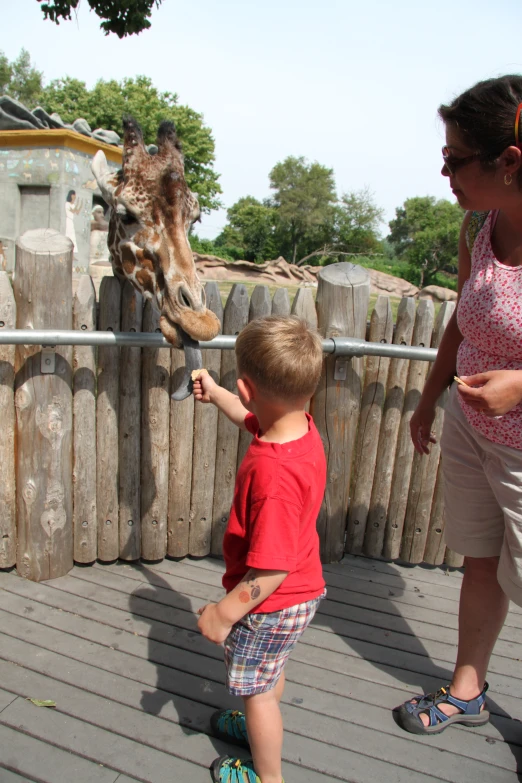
point(452, 163)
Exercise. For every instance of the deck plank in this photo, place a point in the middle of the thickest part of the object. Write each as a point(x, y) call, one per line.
point(6, 776)
point(345, 580)
point(117, 647)
point(46, 763)
point(424, 609)
point(335, 635)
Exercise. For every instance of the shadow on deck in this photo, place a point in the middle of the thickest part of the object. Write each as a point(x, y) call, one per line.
point(117, 648)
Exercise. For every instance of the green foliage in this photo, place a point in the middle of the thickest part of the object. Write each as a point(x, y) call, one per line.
point(304, 220)
point(445, 281)
point(20, 80)
point(251, 226)
point(123, 17)
point(67, 97)
point(107, 102)
point(358, 219)
point(351, 226)
point(425, 233)
point(304, 197)
point(211, 248)
point(382, 264)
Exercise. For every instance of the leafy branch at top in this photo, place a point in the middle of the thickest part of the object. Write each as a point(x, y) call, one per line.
point(123, 17)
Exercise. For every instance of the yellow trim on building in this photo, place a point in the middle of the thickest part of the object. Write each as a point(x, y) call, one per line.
point(59, 138)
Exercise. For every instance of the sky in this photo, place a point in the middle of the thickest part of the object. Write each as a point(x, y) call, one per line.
point(352, 85)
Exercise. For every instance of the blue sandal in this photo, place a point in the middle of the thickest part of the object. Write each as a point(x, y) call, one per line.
point(470, 714)
point(229, 770)
point(230, 726)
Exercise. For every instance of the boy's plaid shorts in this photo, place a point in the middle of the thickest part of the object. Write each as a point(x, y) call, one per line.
point(258, 647)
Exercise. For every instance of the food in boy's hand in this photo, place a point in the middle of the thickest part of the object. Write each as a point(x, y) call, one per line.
point(460, 381)
point(195, 374)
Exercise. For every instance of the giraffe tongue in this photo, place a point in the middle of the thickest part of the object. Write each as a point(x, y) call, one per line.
point(193, 361)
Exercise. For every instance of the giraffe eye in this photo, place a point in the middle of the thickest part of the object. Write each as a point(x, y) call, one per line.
point(127, 218)
point(125, 215)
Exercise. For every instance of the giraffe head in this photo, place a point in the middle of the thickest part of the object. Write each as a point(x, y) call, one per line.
point(152, 210)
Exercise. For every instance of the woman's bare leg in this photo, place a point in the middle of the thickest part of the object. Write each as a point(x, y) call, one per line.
point(482, 612)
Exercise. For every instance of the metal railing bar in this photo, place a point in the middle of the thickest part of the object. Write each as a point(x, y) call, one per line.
point(338, 346)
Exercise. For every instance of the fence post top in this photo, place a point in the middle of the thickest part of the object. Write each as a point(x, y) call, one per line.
point(345, 274)
point(44, 240)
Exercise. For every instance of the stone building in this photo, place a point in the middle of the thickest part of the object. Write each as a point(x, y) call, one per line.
point(38, 171)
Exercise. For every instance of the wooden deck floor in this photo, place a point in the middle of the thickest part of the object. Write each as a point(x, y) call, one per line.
point(116, 647)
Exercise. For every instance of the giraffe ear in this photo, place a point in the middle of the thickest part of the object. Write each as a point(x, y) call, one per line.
point(105, 177)
point(167, 137)
point(133, 145)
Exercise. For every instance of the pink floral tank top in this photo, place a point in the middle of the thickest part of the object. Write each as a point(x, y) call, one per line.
point(490, 320)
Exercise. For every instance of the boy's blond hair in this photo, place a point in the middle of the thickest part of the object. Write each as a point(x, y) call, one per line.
point(281, 355)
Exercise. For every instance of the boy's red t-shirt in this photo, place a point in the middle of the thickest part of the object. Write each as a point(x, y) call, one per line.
point(272, 524)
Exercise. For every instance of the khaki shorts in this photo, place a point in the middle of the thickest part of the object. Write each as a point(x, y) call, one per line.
point(482, 497)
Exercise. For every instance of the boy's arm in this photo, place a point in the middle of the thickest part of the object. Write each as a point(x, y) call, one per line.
point(216, 620)
point(205, 389)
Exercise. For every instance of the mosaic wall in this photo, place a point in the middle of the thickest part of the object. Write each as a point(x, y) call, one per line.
point(34, 185)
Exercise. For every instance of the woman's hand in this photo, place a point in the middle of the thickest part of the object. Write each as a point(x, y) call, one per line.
point(492, 393)
point(420, 428)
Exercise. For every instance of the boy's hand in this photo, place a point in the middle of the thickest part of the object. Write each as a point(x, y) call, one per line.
point(203, 386)
point(212, 625)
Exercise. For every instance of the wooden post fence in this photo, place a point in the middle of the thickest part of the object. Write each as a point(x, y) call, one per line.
point(105, 465)
point(43, 397)
point(7, 442)
point(205, 440)
point(155, 419)
point(84, 418)
point(342, 305)
point(107, 415)
point(235, 318)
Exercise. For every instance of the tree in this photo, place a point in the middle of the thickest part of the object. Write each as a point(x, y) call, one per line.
point(107, 102)
point(251, 226)
point(304, 199)
point(352, 229)
point(123, 17)
point(20, 80)
point(358, 219)
point(425, 232)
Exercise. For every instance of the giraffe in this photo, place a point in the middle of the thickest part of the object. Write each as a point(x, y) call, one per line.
point(152, 210)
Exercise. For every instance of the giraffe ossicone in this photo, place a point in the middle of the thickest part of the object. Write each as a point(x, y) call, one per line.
point(152, 210)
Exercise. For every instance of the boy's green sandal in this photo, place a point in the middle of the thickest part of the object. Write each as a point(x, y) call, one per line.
point(229, 770)
point(471, 712)
point(230, 726)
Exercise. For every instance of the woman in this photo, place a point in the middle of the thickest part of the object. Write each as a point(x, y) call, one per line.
point(70, 212)
point(482, 437)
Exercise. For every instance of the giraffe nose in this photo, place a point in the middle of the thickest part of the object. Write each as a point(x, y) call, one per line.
point(191, 300)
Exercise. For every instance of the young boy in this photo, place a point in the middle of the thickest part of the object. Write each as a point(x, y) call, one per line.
point(273, 576)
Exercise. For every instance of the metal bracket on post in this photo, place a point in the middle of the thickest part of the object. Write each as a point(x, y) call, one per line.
point(48, 359)
point(341, 368)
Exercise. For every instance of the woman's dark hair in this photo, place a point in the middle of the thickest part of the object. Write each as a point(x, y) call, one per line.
point(485, 115)
point(70, 194)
